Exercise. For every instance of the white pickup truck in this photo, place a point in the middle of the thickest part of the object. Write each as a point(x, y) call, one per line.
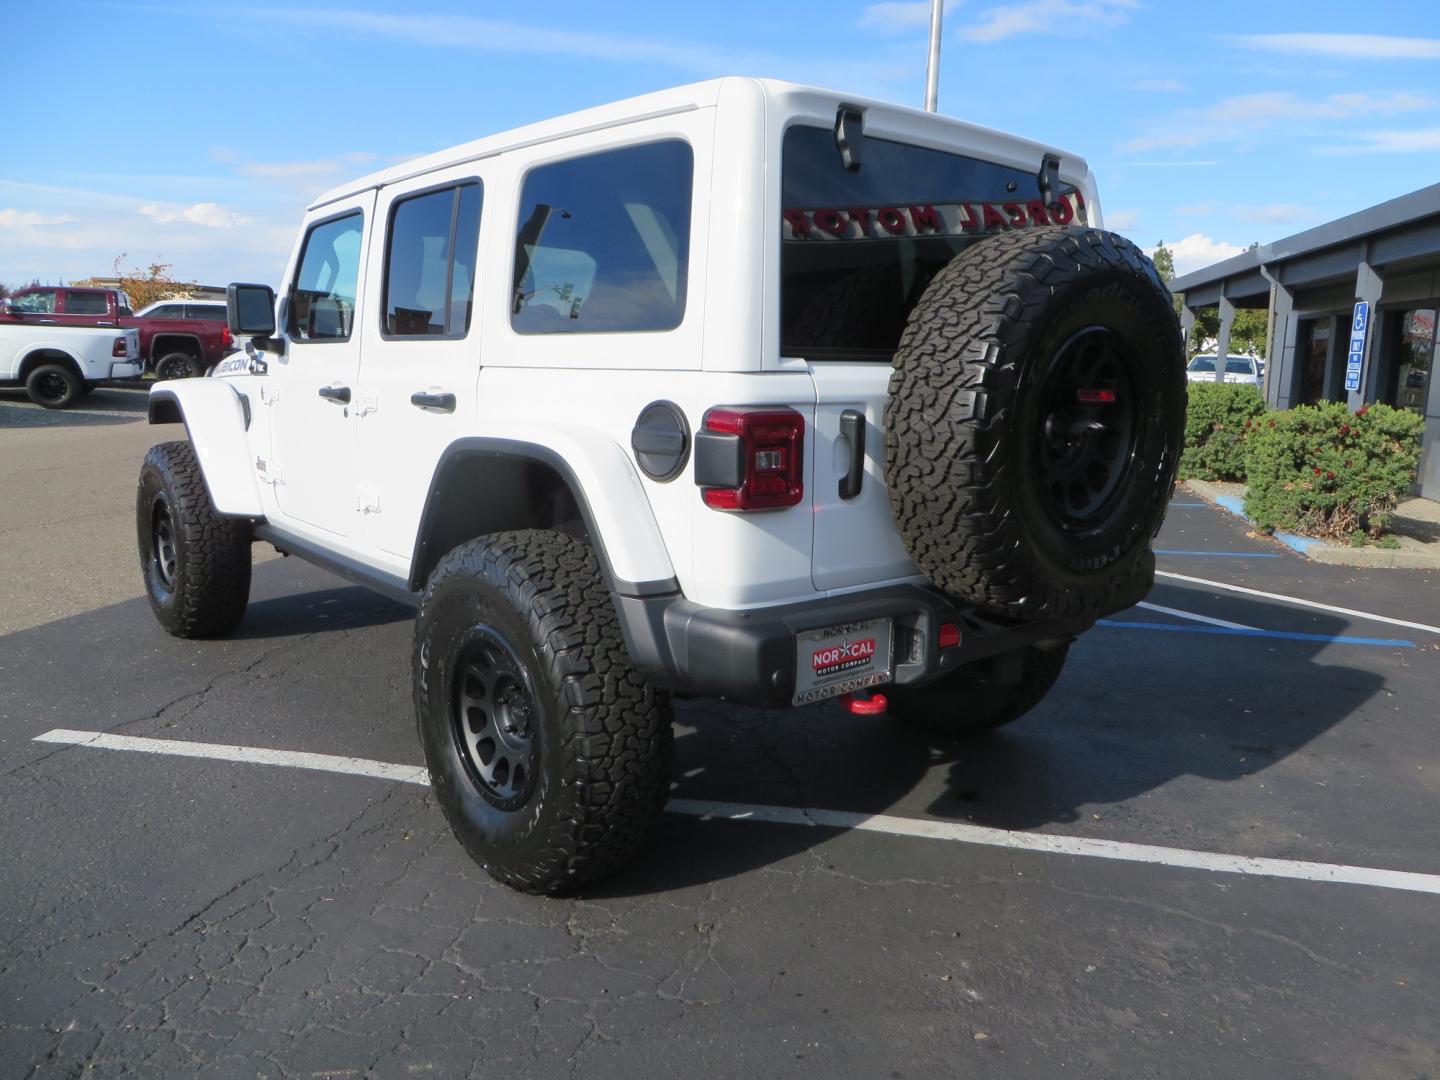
point(58, 365)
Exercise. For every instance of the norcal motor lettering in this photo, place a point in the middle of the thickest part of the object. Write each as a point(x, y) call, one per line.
point(930, 219)
point(845, 657)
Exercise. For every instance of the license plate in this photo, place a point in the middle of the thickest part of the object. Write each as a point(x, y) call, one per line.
point(840, 659)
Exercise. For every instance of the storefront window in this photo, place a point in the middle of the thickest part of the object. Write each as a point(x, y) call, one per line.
point(1414, 359)
point(1314, 355)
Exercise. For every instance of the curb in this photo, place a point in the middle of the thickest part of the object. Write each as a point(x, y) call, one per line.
point(1322, 551)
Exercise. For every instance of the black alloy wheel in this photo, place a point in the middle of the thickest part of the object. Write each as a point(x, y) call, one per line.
point(496, 715)
point(1087, 438)
point(163, 554)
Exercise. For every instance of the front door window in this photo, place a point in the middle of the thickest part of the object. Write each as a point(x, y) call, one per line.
point(1312, 361)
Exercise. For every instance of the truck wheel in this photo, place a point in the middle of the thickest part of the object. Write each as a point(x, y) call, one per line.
point(1034, 422)
point(177, 365)
point(982, 696)
point(196, 563)
point(54, 386)
point(547, 751)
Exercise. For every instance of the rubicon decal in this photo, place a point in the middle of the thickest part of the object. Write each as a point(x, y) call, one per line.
point(836, 658)
point(931, 219)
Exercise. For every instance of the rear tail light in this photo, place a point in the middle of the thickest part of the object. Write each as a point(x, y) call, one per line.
point(121, 347)
point(949, 635)
point(226, 338)
point(751, 459)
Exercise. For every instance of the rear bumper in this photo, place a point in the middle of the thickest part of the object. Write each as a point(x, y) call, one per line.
point(750, 656)
point(126, 371)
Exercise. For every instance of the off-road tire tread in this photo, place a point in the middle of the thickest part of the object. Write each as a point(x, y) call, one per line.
point(213, 577)
point(948, 415)
point(617, 726)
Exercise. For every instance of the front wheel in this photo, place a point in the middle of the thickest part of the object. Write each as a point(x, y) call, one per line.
point(980, 696)
point(196, 563)
point(548, 752)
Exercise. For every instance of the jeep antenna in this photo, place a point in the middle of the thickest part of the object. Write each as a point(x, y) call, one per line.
point(932, 67)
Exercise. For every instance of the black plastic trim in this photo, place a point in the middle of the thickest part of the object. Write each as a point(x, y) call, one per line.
point(852, 427)
point(719, 459)
point(513, 448)
point(661, 441)
point(389, 585)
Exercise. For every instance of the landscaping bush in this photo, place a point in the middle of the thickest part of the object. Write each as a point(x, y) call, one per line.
point(1323, 471)
point(1215, 429)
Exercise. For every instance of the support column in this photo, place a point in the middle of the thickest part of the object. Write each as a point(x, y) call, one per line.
point(1222, 344)
point(1187, 323)
point(1368, 287)
point(1280, 344)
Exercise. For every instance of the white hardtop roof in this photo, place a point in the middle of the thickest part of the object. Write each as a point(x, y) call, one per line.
point(666, 102)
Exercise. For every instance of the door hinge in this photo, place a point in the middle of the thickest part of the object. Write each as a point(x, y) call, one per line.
point(366, 403)
point(367, 499)
point(269, 393)
point(270, 472)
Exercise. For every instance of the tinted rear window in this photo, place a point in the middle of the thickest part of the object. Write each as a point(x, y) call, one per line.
point(86, 303)
point(858, 249)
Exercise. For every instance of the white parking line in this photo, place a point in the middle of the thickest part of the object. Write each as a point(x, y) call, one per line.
point(294, 759)
point(1334, 873)
point(1296, 600)
point(1192, 616)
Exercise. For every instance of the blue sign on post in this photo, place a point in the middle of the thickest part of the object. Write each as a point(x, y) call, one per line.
point(1356, 359)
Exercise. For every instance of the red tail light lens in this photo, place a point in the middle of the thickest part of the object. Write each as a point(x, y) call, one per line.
point(119, 348)
point(949, 635)
point(226, 338)
point(771, 449)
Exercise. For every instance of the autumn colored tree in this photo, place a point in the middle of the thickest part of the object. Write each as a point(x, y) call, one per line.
point(153, 283)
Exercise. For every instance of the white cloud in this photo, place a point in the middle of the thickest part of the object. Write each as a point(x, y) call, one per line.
point(904, 15)
point(209, 214)
point(1244, 116)
point(289, 170)
point(1046, 16)
point(1121, 219)
point(1266, 214)
point(29, 219)
point(1159, 86)
point(1406, 141)
point(1354, 46)
point(1197, 251)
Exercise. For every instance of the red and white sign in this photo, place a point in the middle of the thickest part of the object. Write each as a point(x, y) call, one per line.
point(843, 657)
point(930, 219)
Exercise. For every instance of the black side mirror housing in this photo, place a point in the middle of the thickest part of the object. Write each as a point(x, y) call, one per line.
point(250, 310)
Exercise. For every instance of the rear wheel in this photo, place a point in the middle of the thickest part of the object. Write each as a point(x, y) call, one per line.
point(196, 563)
point(54, 386)
point(981, 696)
point(549, 754)
point(177, 365)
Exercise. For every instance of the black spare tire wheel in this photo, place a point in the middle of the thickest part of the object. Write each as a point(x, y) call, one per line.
point(1035, 420)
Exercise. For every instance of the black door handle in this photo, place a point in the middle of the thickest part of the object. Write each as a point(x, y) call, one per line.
point(335, 393)
point(433, 402)
point(852, 427)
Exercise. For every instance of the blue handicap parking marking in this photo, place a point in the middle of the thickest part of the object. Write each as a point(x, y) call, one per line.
point(1238, 631)
point(1220, 554)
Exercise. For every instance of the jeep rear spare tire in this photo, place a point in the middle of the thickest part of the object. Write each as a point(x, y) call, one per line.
point(1034, 422)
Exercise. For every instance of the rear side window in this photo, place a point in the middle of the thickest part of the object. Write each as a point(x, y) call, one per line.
point(322, 298)
point(430, 263)
point(86, 303)
point(168, 311)
point(858, 248)
point(604, 242)
point(36, 303)
point(205, 311)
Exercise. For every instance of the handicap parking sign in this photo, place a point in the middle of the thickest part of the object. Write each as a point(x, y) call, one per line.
point(1362, 317)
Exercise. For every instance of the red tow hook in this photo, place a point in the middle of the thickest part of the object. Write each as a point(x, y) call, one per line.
point(865, 704)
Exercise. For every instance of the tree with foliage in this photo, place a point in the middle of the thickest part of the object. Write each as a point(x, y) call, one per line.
point(153, 283)
point(5, 290)
point(1164, 260)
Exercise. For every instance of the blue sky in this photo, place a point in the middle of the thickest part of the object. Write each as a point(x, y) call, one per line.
point(196, 134)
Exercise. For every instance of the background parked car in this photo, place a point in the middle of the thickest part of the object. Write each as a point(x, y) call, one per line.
point(1238, 369)
point(174, 346)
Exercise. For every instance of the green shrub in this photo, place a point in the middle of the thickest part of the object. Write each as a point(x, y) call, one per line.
point(1215, 429)
point(1321, 471)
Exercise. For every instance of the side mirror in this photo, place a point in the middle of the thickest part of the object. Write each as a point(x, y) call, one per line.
point(250, 310)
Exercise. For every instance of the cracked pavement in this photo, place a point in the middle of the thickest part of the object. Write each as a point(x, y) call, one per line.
point(166, 917)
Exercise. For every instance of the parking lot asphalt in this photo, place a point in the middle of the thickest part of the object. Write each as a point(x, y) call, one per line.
point(164, 915)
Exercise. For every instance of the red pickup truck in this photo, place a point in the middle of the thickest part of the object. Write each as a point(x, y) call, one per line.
point(178, 338)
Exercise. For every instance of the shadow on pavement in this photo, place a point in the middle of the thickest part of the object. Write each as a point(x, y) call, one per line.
point(105, 405)
point(346, 606)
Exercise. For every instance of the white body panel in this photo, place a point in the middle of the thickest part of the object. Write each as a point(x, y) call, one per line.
point(354, 478)
point(92, 348)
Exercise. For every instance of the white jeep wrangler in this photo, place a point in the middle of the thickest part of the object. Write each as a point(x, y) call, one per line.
point(741, 389)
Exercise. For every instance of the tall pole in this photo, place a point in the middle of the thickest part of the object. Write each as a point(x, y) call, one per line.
point(932, 68)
